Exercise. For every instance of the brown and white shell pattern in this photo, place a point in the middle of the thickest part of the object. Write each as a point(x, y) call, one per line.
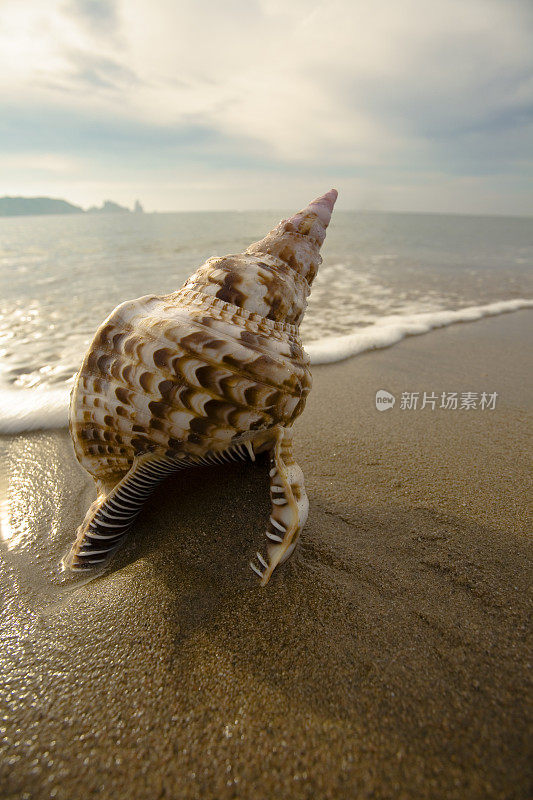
point(196, 376)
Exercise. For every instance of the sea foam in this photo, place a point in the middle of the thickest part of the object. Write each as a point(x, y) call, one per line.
point(392, 329)
point(33, 409)
point(46, 408)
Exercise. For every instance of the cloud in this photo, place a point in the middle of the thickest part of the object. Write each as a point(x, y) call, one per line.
point(396, 90)
point(38, 162)
point(95, 12)
point(100, 16)
point(90, 71)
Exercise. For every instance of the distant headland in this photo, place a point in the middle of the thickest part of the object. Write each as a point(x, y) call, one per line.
point(19, 206)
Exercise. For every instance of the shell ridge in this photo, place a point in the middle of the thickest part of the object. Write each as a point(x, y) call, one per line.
point(107, 349)
point(183, 313)
point(210, 300)
point(167, 373)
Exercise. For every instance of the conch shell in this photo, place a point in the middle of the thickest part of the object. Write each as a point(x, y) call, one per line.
point(212, 372)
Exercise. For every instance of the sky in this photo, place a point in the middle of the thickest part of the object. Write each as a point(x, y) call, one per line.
point(402, 105)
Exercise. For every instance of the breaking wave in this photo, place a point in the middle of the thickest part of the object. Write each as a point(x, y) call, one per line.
point(392, 329)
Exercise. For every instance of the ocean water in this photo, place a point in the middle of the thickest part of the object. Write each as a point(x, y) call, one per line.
point(384, 276)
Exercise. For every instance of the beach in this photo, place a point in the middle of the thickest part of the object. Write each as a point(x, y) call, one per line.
point(387, 659)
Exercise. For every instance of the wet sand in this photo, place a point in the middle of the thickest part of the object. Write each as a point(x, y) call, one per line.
point(387, 659)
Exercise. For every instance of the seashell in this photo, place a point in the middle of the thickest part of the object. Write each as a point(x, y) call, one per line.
point(213, 372)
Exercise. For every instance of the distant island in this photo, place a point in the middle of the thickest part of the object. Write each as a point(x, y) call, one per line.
point(19, 206)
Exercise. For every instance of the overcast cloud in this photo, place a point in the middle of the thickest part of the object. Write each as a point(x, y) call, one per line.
point(403, 105)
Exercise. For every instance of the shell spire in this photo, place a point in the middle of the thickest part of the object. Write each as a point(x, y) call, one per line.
point(273, 276)
point(297, 240)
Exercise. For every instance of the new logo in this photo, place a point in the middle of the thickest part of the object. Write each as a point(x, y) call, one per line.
point(384, 400)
